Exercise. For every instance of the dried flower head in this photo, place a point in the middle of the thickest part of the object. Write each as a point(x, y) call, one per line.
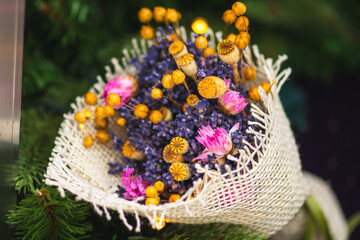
point(127, 149)
point(102, 135)
point(239, 8)
point(209, 51)
point(187, 64)
point(179, 145)
point(155, 116)
point(167, 81)
point(180, 171)
point(178, 76)
point(172, 16)
point(147, 32)
point(225, 47)
point(254, 94)
point(125, 86)
point(192, 100)
point(232, 103)
point(201, 42)
point(145, 15)
point(242, 23)
point(90, 98)
point(156, 93)
point(159, 14)
point(212, 87)
point(228, 53)
point(141, 111)
point(177, 49)
point(170, 156)
point(229, 17)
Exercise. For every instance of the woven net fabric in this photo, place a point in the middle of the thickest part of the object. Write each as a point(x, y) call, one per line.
point(264, 192)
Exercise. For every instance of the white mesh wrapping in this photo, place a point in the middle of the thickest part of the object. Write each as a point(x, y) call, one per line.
point(264, 198)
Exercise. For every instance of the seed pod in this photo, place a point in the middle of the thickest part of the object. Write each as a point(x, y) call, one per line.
point(266, 86)
point(171, 157)
point(241, 41)
point(201, 42)
point(155, 116)
point(209, 51)
point(177, 49)
point(141, 111)
point(228, 53)
point(239, 8)
point(179, 145)
point(156, 93)
point(100, 122)
point(180, 171)
point(167, 114)
point(144, 15)
point(90, 98)
point(178, 77)
point(102, 136)
point(167, 81)
point(242, 23)
point(81, 117)
point(159, 14)
point(187, 64)
point(229, 17)
point(254, 94)
point(231, 37)
point(88, 141)
point(172, 16)
point(250, 73)
point(147, 32)
point(212, 87)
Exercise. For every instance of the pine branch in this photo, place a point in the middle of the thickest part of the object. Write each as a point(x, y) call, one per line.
point(45, 215)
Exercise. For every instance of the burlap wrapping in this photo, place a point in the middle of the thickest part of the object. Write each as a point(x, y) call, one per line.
point(264, 197)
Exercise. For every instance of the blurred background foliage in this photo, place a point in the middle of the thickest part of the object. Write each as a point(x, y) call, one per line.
point(68, 42)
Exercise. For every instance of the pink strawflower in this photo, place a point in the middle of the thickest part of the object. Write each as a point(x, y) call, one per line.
point(134, 185)
point(125, 86)
point(216, 141)
point(232, 102)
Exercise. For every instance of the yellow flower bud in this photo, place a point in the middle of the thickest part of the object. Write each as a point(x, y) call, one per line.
point(88, 141)
point(239, 8)
point(101, 112)
point(151, 192)
point(100, 122)
point(113, 99)
point(172, 16)
point(81, 117)
point(155, 116)
point(241, 41)
point(147, 32)
point(141, 111)
point(242, 23)
point(266, 86)
point(159, 14)
point(209, 51)
point(110, 111)
point(121, 122)
point(250, 73)
point(156, 93)
point(201, 42)
point(90, 98)
point(174, 198)
point(102, 136)
point(159, 185)
point(168, 82)
point(254, 94)
point(144, 15)
point(178, 77)
point(229, 17)
point(231, 37)
point(152, 201)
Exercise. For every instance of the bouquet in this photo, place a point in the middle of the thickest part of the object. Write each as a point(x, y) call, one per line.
point(187, 130)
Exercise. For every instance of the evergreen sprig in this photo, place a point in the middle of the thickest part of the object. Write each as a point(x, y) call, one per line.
point(45, 215)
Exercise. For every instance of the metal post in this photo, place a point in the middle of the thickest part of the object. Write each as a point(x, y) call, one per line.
point(11, 55)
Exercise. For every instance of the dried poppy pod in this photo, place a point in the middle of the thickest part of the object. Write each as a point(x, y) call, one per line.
point(167, 114)
point(212, 87)
point(177, 49)
point(130, 152)
point(188, 65)
point(178, 77)
point(180, 171)
point(228, 53)
point(242, 23)
point(179, 145)
point(171, 157)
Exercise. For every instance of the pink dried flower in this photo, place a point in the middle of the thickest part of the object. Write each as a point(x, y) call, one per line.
point(133, 185)
point(216, 141)
point(232, 103)
point(125, 86)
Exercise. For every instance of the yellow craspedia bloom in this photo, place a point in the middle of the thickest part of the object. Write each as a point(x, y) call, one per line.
point(102, 136)
point(178, 77)
point(144, 15)
point(90, 98)
point(147, 32)
point(201, 42)
point(101, 112)
point(155, 116)
point(254, 94)
point(239, 8)
point(113, 99)
point(229, 17)
point(159, 185)
point(159, 14)
point(172, 16)
point(152, 201)
point(81, 117)
point(179, 145)
point(231, 37)
point(156, 93)
point(151, 192)
point(167, 81)
point(180, 171)
point(141, 111)
point(100, 122)
point(192, 100)
point(121, 122)
point(209, 51)
point(174, 198)
point(250, 73)
point(88, 141)
point(127, 149)
point(242, 23)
